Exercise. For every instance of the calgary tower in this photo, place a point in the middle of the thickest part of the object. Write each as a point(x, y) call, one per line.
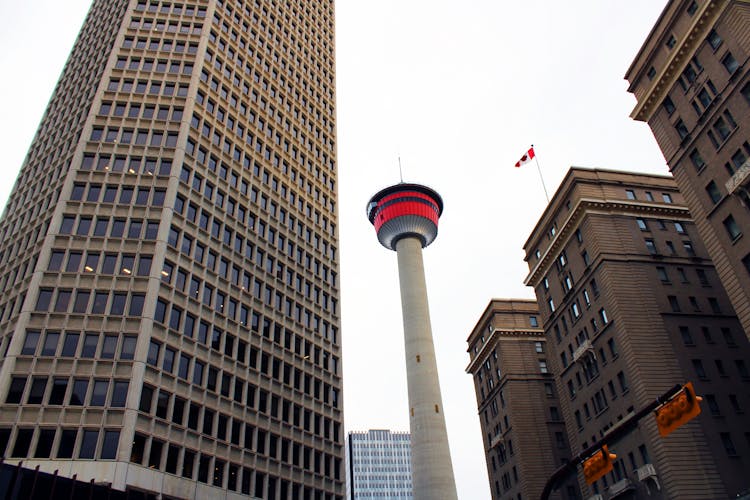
point(405, 217)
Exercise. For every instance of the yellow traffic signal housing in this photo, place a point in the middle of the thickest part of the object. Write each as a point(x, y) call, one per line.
point(598, 464)
point(682, 408)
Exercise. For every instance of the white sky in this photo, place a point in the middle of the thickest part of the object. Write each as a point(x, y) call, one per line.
point(459, 90)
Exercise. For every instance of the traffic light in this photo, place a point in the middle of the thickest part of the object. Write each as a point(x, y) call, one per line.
point(684, 406)
point(598, 464)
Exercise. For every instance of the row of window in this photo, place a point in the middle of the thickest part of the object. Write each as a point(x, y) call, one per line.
point(713, 303)
point(163, 45)
point(663, 275)
point(643, 225)
point(138, 137)
point(726, 333)
point(236, 59)
point(203, 375)
point(265, 128)
point(144, 111)
point(104, 302)
point(715, 409)
point(239, 211)
point(266, 293)
point(104, 162)
point(94, 345)
point(175, 9)
point(701, 373)
point(270, 180)
point(130, 87)
point(110, 264)
point(85, 443)
point(737, 160)
point(306, 142)
point(83, 391)
point(148, 24)
point(187, 324)
point(630, 194)
point(599, 401)
point(227, 270)
point(204, 219)
point(196, 417)
point(103, 226)
point(652, 248)
point(128, 195)
point(593, 370)
point(157, 454)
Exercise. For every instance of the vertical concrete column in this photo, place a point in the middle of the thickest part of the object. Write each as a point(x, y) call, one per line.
point(432, 470)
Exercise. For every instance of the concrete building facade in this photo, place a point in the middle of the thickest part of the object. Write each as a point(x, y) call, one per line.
point(169, 312)
point(632, 305)
point(691, 80)
point(378, 464)
point(519, 412)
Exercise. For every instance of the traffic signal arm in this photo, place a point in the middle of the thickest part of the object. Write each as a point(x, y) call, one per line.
point(623, 428)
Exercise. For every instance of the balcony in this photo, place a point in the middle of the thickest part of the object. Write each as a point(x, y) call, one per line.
point(739, 178)
point(496, 439)
point(647, 472)
point(582, 350)
point(620, 487)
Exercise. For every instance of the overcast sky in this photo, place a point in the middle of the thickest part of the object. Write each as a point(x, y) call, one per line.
point(458, 90)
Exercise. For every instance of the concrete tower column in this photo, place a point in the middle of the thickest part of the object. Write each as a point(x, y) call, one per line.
point(432, 470)
point(405, 217)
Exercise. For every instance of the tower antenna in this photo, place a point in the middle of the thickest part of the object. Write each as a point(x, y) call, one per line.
point(400, 172)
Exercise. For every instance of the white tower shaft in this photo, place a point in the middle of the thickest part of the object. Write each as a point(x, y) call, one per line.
point(432, 470)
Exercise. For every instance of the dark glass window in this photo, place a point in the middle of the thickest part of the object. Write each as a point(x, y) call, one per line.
point(43, 302)
point(44, 443)
point(109, 445)
point(78, 396)
point(70, 345)
point(23, 441)
point(59, 388)
point(128, 347)
point(99, 393)
point(90, 342)
point(15, 392)
point(88, 443)
point(30, 343)
point(36, 393)
point(119, 393)
point(67, 443)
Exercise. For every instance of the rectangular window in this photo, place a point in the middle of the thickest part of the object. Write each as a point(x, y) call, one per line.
point(732, 228)
point(697, 160)
point(730, 63)
point(681, 129)
point(713, 192)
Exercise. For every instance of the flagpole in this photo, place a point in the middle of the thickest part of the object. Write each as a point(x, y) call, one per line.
point(540, 174)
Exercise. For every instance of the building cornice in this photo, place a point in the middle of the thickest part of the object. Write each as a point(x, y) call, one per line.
point(504, 332)
point(587, 206)
point(679, 57)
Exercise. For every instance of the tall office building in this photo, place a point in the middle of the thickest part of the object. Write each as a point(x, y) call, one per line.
point(632, 305)
point(519, 412)
point(378, 465)
point(691, 80)
point(169, 257)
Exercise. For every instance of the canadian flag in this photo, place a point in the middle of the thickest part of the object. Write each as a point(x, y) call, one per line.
point(526, 158)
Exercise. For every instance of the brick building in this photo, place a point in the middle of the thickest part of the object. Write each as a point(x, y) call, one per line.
point(632, 305)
